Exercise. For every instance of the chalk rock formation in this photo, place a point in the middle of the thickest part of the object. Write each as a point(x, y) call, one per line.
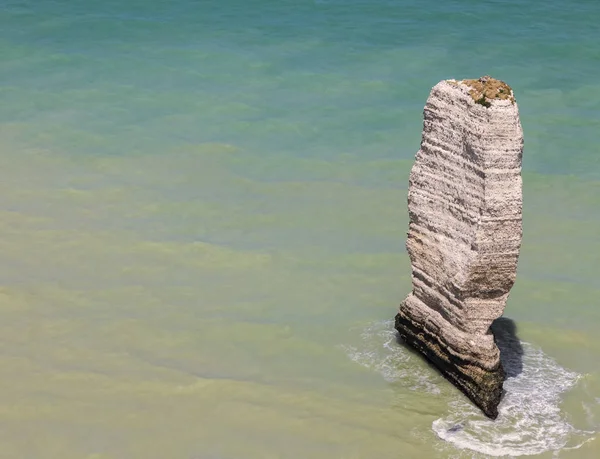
point(465, 204)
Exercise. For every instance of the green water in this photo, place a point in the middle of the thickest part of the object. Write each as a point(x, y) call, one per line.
point(202, 225)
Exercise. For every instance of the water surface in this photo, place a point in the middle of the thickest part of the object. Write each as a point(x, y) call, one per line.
point(202, 224)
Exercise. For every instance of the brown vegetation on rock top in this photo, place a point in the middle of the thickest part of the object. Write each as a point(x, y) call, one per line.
point(487, 87)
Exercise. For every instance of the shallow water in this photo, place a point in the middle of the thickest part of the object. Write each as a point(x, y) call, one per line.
point(202, 223)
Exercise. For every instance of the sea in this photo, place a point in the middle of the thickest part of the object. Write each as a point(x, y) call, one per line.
point(203, 216)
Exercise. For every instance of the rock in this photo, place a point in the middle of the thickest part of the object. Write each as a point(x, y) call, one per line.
point(465, 206)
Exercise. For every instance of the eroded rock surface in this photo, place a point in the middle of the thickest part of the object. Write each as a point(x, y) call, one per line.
point(465, 206)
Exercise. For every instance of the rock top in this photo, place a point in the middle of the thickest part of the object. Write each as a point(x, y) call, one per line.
point(486, 88)
point(465, 207)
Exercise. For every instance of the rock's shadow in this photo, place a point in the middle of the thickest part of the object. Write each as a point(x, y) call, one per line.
point(505, 335)
point(511, 351)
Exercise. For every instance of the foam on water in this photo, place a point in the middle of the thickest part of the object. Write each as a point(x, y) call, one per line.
point(530, 420)
point(380, 351)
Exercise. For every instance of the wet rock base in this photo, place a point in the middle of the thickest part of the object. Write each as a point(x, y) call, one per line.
point(482, 386)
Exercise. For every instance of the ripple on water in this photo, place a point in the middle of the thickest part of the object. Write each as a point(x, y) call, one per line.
point(381, 352)
point(530, 420)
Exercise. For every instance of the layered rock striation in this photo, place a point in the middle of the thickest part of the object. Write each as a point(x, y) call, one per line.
point(465, 206)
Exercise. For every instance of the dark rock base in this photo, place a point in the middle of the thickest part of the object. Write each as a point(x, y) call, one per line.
point(483, 387)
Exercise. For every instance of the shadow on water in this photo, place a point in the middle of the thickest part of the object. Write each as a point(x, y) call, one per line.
point(511, 350)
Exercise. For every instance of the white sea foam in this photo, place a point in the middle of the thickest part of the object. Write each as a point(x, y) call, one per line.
point(380, 351)
point(529, 422)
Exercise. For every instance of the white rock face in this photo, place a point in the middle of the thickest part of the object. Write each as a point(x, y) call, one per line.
point(465, 206)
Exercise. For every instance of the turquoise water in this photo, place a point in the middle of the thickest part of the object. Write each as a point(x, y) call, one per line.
point(202, 224)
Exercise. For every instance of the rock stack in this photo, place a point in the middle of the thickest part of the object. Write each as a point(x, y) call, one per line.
point(465, 206)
